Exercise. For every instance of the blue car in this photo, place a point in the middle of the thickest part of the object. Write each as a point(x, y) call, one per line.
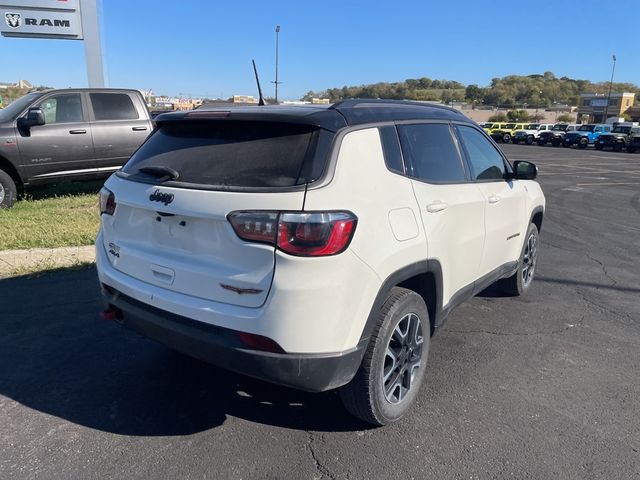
point(585, 135)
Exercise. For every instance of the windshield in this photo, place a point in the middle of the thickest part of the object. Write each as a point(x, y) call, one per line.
point(14, 108)
point(587, 128)
point(621, 130)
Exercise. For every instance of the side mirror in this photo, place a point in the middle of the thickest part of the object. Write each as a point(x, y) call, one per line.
point(524, 170)
point(34, 118)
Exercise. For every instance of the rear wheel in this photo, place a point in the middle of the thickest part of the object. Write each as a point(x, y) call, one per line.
point(631, 149)
point(506, 138)
point(599, 146)
point(8, 190)
point(393, 366)
point(617, 147)
point(529, 140)
point(583, 143)
point(541, 143)
point(519, 282)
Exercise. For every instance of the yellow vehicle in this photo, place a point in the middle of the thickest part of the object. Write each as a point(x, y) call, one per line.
point(506, 132)
point(490, 127)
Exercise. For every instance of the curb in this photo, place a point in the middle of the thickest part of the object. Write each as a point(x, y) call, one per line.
point(20, 262)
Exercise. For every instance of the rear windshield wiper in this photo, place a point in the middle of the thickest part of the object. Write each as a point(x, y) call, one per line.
point(161, 173)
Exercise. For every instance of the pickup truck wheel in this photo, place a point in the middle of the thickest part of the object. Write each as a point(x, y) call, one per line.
point(7, 190)
point(529, 140)
point(583, 143)
point(506, 138)
point(519, 282)
point(393, 366)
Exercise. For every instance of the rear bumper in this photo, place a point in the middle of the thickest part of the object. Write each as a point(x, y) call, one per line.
point(222, 347)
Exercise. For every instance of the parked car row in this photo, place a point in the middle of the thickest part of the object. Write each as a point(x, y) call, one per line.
point(618, 137)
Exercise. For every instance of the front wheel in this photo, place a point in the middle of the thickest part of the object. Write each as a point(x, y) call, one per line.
point(583, 143)
point(8, 191)
point(529, 140)
point(519, 282)
point(506, 138)
point(617, 147)
point(631, 149)
point(541, 143)
point(393, 367)
point(599, 146)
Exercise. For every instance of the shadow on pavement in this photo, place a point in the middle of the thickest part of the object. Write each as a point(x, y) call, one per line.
point(58, 358)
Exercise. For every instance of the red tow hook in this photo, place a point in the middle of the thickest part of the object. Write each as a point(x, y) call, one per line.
point(111, 313)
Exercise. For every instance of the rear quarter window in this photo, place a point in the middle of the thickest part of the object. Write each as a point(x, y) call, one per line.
point(230, 154)
point(113, 106)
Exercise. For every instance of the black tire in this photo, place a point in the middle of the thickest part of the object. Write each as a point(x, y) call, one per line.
point(529, 140)
point(631, 149)
point(599, 146)
point(617, 147)
point(541, 143)
point(368, 396)
point(8, 191)
point(583, 143)
point(520, 282)
point(506, 138)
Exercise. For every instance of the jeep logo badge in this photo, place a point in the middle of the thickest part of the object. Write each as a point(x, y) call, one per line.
point(12, 19)
point(161, 197)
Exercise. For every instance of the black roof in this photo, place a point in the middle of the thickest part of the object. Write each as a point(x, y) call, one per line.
point(331, 117)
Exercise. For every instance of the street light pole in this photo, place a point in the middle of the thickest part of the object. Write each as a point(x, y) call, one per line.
point(277, 48)
point(606, 108)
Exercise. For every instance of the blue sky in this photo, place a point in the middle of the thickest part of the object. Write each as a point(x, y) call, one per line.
point(204, 48)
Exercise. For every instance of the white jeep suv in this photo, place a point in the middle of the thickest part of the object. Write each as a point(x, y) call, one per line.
point(315, 247)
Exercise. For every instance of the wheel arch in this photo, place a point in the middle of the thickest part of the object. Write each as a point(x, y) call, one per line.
point(424, 278)
point(536, 217)
point(10, 169)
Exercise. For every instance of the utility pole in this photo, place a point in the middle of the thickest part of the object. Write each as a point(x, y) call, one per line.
point(606, 108)
point(277, 46)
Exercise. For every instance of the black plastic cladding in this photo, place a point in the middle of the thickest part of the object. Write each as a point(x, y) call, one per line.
point(332, 118)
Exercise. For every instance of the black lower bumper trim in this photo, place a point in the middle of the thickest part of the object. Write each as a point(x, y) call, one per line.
point(221, 347)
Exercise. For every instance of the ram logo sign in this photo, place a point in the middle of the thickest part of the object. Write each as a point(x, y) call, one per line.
point(12, 19)
point(40, 23)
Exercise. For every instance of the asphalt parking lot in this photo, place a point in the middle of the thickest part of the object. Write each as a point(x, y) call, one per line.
point(541, 387)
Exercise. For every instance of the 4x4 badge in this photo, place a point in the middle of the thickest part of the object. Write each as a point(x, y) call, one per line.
point(161, 197)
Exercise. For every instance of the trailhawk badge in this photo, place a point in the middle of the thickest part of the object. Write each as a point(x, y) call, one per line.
point(12, 19)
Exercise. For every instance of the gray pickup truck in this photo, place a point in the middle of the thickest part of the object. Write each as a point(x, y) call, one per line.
point(52, 135)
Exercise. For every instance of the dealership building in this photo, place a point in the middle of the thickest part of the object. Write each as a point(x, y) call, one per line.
point(592, 106)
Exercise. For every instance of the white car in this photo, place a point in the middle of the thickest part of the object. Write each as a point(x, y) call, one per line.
point(530, 133)
point(315, 247)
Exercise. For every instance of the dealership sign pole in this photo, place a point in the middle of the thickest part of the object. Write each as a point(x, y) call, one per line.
point(57, 19)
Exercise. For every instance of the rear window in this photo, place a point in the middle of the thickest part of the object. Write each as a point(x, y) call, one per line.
point(232, 154)
point(113, 106)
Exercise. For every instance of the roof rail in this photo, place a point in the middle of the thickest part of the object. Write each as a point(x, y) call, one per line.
point(381, 102)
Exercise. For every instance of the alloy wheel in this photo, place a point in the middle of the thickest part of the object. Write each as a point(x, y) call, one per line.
point(529, 259)
point(403, 358)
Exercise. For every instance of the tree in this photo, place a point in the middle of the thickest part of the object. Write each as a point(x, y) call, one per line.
point(474, 93)
point(518, 115)
point(498, 117)
point(566, 118)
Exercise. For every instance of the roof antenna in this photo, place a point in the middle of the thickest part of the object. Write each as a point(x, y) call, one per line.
point(261, 98)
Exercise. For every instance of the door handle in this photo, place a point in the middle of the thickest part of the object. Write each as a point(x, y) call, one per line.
point(77, 132)
point(436, 206)
point(494, 199)
point(138, 129)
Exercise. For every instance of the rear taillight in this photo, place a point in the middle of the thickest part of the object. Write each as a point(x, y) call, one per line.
point(107, 201)
point(313, 234)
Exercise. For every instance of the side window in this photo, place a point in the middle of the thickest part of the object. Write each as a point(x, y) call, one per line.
point(113, 106)
point(65, 108)
point(432, 152)
point(485, 161)
point(391, 149)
